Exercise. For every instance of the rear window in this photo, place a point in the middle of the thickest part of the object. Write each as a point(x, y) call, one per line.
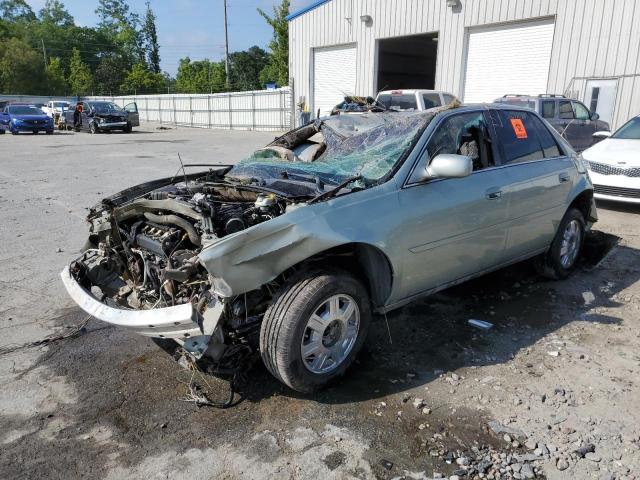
point(431, 100)
point(398, 102)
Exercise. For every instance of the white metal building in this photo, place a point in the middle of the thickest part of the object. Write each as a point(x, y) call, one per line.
point(476, 49)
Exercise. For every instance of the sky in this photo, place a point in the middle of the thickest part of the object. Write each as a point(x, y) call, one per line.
point(193, 28)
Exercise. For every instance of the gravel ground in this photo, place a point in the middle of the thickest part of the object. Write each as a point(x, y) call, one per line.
point(551, 391)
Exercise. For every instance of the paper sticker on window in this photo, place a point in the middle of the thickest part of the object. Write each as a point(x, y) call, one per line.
point(518, 128)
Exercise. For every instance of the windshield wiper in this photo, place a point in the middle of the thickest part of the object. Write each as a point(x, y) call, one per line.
point(334, 190)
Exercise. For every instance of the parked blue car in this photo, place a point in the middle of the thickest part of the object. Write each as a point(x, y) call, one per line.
point(24, 118)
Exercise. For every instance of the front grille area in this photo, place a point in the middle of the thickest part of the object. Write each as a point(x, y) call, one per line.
point(604, 169)
point(617, 191)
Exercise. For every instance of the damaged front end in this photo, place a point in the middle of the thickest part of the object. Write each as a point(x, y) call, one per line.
point(140, 268)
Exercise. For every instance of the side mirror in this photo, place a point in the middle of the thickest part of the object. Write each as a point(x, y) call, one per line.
point(595, 116)
point(601, 135)
point(447, 165)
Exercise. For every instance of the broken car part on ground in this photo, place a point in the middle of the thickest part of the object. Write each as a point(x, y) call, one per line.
point(290, 251)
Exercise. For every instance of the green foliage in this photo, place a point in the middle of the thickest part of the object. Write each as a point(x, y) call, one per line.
point(245, 68)
point(16, 10)
point(202, 76)
point(80, 78)
point(56, 83)
point(141, 80)
point(277, 70)
point(150, 39)
point(56, 14)
point(21, 68)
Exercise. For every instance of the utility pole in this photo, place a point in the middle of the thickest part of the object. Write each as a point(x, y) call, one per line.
point(226, 45)
point(44, 54)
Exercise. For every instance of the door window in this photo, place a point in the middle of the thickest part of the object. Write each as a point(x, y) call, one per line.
point(518, 137)
point(549, 145)
point(581, 111)
point(448, 98)
point(565, 110)
point(464, 134)
point(131, 108)
point(549, 109)
point(431, 100)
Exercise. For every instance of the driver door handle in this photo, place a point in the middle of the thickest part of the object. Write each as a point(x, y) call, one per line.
point(493, 193)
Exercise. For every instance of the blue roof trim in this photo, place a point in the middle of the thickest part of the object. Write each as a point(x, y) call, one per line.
point(306, 9)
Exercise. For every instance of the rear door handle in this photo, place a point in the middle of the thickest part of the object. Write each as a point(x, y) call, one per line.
point(493, 194)
point(563, 177)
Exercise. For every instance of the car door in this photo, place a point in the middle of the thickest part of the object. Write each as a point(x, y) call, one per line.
point(584, 126)
point(540, 176)
point(453, 227)
point(132, 114)
point(4, 119)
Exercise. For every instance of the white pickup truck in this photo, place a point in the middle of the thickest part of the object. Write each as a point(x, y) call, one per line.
point(54, 107)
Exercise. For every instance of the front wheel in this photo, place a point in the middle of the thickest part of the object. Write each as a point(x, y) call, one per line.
point(93, 128)
point(128, 128)
point(561, 258)
point(314, 329)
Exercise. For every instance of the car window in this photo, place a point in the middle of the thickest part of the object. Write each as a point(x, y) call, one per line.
point(549, 145)
point(629, 131)
point(548, 109)
point(463, 134)
point(25, 110)
point(581, 111)
point(431, 100)
point(565, 111)
point(518, 137)
point(448, 98)
point(398, 102)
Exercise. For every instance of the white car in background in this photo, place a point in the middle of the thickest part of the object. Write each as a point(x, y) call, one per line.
point(55, 106)
point(614, 163)
point(410, 99)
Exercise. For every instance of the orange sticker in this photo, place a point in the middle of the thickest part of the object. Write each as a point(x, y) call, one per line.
point(518, 128)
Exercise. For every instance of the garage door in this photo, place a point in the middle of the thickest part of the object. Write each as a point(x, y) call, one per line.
point(334, 76)
point(510, 59)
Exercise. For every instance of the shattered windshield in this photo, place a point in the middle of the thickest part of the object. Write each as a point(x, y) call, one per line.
point(106, 107)
point(342, 147)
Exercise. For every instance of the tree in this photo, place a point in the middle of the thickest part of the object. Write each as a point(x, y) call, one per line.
point(21, 69)
point(141, 80)
point(56, 83)
point(202, 76)
point(16, 10)
point(277, 70)
point(121, 27)
point(80, 79)
point(110, 74)
point(55, 13)
point(246, 67)
point(150, 38)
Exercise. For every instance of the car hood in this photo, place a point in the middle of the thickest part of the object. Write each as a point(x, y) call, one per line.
point(30, 117)
point(615, 151)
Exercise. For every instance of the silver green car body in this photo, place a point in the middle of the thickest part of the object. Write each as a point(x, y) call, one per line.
point(415, 235)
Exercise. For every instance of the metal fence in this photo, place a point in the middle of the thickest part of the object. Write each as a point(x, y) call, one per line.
point(252, 110)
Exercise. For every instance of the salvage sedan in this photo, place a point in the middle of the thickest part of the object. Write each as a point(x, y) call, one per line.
point(292, 251)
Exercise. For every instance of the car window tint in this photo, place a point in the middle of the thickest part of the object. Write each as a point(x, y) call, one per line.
point(399, 102)
point(581, 111)
point(565, 110)
point(463, 134)
point(518, 137)
point(431, 100)
point(548, 109)
point(547, 142)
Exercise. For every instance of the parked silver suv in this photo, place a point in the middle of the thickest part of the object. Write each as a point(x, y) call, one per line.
point(293, 250)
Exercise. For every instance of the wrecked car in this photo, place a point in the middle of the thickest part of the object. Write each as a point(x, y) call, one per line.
point(293, 250)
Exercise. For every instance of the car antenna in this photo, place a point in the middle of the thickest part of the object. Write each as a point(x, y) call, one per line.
point(184, 172)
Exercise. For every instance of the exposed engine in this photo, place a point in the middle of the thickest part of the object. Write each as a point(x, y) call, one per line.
point(143, 252)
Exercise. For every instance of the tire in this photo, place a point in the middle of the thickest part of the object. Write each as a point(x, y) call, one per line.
point(558, 263)
point(128, 128)
point(93, 128)
point(49, 132)
point(2, 131)
point(285, 329)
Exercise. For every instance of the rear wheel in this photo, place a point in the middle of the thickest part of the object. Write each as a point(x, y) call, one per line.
point(561, 258)
point(314, 329)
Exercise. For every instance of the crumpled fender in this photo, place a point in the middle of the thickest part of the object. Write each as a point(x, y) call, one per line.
point(251, 258)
